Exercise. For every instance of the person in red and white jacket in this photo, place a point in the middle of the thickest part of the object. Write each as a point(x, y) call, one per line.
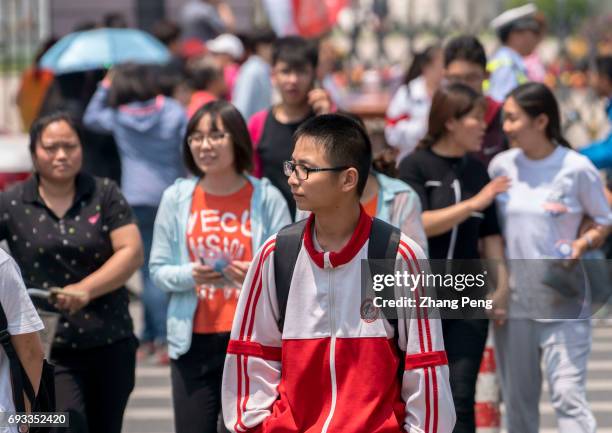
point(330, 370)
point(408, 112)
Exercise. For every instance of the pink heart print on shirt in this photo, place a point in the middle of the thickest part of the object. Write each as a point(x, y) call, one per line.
point(94, 218)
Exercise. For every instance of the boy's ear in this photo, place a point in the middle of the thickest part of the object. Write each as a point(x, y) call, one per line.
point(350, 179)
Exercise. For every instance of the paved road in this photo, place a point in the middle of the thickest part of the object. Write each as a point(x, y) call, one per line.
point(150, 407)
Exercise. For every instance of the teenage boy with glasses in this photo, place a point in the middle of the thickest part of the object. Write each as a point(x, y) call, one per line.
point(308, 359)
point(294, 68)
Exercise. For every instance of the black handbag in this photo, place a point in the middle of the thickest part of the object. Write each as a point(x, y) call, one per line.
point(44, 401)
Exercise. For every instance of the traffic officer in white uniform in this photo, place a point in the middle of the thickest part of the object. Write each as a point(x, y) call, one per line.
point(519, 32)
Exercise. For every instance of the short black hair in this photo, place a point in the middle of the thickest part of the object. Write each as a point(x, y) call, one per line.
point(40, 124)
point(345, 143)
point(115, 20)
point(202, 74)
point(166, 31)
point(131, 83)
point(603, 65)
point(467, 48)
point(234, 124)
point(296, 51)
point(83, 26)
point(250, 40)
point(168, 77)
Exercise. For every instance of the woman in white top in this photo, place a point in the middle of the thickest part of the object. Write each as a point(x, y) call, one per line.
point(407, 114)
point(553, 189)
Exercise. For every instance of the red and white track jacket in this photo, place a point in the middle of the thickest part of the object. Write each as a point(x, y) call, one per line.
point(331, 370)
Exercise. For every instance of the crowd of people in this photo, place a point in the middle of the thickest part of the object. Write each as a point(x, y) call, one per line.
point(248, 200)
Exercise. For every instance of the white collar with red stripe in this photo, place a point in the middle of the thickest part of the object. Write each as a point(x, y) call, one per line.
point(326, 259)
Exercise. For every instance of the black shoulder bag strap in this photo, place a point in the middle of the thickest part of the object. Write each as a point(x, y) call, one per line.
point(286, 251)
point(15, 367)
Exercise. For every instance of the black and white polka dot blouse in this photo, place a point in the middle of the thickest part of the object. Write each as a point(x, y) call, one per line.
point(55, 252)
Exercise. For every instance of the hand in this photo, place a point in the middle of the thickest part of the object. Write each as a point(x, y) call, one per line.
point(487, 194)
point(108, 78)
point(236, 271)
point(579, 247)
point(203, 274)
point(319, 100)
point(72, 298)
point(499, 312)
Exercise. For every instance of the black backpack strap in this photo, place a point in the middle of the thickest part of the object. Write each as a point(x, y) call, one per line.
point(384, 242)
point(383, 246)
point(16, 370)
point(286, 251)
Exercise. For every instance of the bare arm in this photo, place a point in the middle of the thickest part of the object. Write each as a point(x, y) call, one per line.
point(493, 249)
point(591, 236)
point(30, 352)
point(227, 16)
point(439, 221)
point(127, 258)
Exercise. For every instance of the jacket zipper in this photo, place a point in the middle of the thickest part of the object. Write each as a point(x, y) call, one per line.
point(332, 353)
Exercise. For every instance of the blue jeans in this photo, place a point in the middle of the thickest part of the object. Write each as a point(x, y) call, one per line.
point(154, 300)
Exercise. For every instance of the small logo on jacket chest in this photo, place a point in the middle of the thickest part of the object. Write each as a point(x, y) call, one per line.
point(369, 312)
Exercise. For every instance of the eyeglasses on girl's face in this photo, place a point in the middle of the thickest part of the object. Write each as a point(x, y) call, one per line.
point(214, 138)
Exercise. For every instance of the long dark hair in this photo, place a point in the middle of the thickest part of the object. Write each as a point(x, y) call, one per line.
point(233, 123)
point(421, 60)
point(450, 102)
point(535, 99)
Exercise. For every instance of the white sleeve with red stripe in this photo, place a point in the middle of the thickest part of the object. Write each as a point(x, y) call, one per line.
point(425, 388)
point(252, 365)
point(402, 129)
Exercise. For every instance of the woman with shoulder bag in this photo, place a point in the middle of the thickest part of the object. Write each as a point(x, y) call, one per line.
point(553, 188)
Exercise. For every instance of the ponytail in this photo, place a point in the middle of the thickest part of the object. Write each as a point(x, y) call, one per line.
point(449, 102)
point(420, 61)
point(562, 141)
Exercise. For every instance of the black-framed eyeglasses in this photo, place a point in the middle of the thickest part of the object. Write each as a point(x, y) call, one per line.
point(215, 138)
point(302, 172)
